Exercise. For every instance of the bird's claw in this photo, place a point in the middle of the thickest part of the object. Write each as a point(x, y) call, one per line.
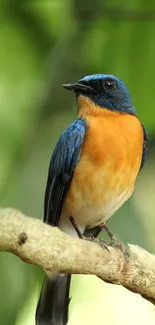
point(98, 241)
point(117, 243)
point(114, 241)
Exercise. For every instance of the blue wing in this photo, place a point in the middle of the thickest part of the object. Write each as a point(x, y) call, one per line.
point(63, 162)
point(145, 147)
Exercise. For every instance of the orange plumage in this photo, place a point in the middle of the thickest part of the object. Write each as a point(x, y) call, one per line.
point(109, 163)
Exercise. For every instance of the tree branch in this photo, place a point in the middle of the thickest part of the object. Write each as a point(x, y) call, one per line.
point(37, 243)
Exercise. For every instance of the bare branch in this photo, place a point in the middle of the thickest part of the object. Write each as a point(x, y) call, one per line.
point(37, 243)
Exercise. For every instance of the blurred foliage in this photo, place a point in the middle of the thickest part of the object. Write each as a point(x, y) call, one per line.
point(43, 44)
point(96, 302)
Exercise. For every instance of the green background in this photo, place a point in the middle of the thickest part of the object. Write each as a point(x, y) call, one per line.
point(42, 45)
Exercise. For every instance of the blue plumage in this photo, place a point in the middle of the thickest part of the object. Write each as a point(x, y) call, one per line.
point(145, 147)
point(100, 76)
point(116, 99)
point(63, 162)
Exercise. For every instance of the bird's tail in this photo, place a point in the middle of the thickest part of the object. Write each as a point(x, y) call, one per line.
point(52, 308)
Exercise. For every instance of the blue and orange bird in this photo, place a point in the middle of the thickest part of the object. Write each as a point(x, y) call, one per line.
point(92, 172)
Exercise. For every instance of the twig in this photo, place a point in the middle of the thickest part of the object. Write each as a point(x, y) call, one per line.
point(37, 243)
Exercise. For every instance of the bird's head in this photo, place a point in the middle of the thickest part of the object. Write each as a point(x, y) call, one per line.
point(106, 91)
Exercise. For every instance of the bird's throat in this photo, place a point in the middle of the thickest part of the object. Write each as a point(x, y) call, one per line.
point(87, 107)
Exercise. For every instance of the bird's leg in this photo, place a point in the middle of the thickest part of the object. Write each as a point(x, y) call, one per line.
point(115, 242)
point(98, 241)
point(75, 226)
point(93, 232)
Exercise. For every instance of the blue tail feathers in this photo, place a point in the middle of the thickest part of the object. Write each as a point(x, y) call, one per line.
point(52, 308)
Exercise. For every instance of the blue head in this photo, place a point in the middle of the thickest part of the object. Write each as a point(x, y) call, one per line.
point(105, 90)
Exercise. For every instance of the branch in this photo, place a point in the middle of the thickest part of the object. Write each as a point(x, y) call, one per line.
point(37, 243)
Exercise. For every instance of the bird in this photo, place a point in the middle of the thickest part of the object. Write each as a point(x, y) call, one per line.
point(92, 172)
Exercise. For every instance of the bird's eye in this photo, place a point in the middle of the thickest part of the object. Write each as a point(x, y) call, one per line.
point(109, 84)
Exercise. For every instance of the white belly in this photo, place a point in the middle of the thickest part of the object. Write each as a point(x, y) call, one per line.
point(95, 216)
point(87, 214)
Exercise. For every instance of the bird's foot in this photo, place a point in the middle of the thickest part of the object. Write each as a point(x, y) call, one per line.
point(116, 243)
point(93, 239)
point(98, 241)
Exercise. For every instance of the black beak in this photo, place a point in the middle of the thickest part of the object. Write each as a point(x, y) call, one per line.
point(78, 86)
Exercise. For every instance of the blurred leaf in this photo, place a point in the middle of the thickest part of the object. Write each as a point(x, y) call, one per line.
point(95, 302)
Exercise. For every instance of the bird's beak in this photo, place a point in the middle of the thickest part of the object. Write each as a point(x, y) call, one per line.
point(78, 86)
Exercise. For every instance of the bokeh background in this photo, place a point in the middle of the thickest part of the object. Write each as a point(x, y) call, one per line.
point(42, 45)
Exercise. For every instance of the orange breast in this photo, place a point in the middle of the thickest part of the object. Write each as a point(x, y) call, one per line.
point(105, 175)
